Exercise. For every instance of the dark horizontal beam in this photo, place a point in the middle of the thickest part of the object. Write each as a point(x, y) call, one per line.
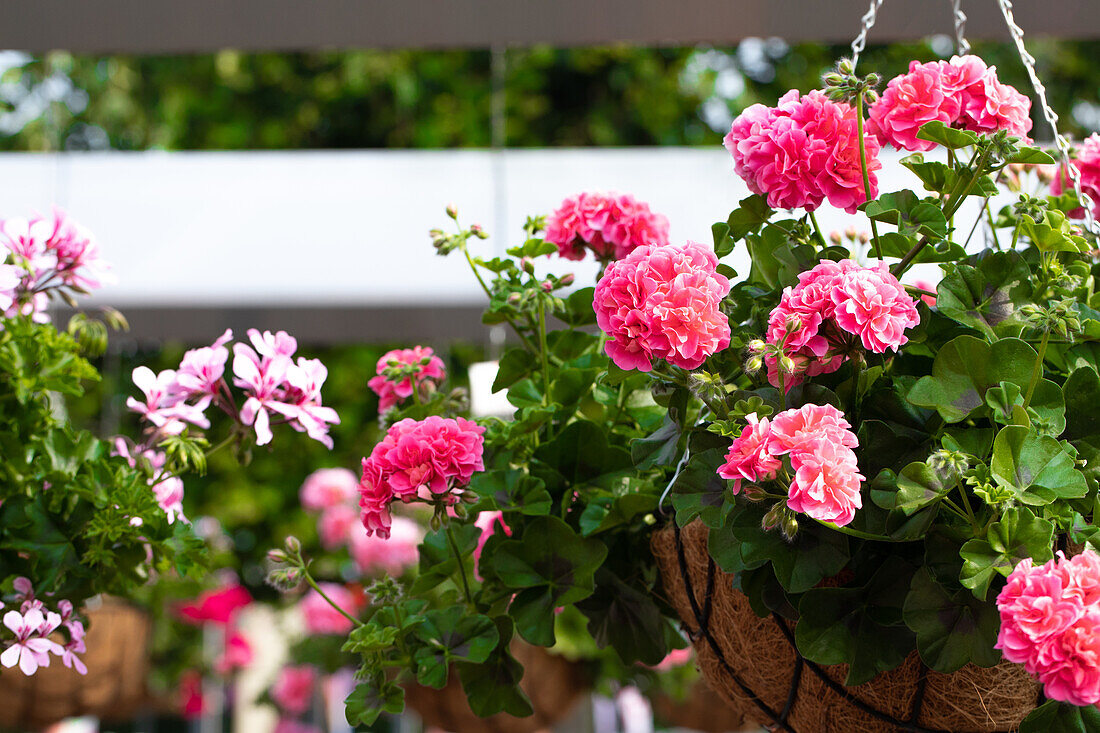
point(319, 326)
point(184, 26)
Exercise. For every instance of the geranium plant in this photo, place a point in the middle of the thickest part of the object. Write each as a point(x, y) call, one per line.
point(888, 466)
point(81, 515)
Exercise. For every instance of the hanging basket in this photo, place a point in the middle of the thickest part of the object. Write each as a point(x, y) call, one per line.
point(114, 689)
point(553, 684)
point(752, 663)
point(702, 710)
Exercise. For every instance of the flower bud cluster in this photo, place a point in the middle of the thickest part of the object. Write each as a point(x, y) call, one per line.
point(843, 85)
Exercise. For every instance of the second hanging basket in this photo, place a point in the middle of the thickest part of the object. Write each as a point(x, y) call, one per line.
point(753, 664)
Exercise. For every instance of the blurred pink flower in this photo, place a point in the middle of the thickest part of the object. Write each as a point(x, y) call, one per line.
point(487, 522)
point(319, 615)
point(335, 525)
point(191, 701)
point(663, 302)
point(293, 689)
point(237, 654)
point(216, 606)
point(1087, 164)
point(675, 658)
point(391, 555)
point(290, 725)
point(390, 392)
point(328, 487)
point(201, 370)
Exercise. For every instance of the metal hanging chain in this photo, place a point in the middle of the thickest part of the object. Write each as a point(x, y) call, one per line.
point(868, 20)
point(1051, 116)
point(961, 43)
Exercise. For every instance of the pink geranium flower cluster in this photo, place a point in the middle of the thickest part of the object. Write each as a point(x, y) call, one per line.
point(609, 224)
point(802, 151)
point(334, 493)
point(834, 301)
point(32, 626)
point(1087, 164)
point(43, 255)
point(818, 442)
point(399, 370)
point(430, 459)
point(276, 387)
point(663, 303)
point(962, 92)
point(293, 689)
point(1050, 623)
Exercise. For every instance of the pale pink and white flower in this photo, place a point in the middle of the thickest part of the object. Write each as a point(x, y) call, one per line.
point(30, 649)
point(201, 371)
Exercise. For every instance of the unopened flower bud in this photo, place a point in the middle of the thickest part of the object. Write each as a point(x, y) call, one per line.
point(794, 323)
point(851, 233)
point(773, 518)
point(845, 67)
point(754, 364)
point(864, 238)
point(547, 286)
point(789, 527)
point(567, 279)
point(757, 346)
point(452, 211)
point(649, 519)
point(277, 556)
point(479, 232)
point(293, 545)
point(786, 364)
point(527, 265)
point(752, 492)
point(832, 79)
point(514, 299)
point(834, 237)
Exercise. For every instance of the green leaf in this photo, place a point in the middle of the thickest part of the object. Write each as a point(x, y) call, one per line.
point(949, 137)
point(553, 565)
point(952, 628)
point(608, 512)
point(1035, 467)
point(451, 634)
point(723, 242)
point(918, 486)
point(437, 562)
point(1053, 233)
point(1062, 717)
point(985, 292)
point(1031, 156)
point(1082, 395)
point(965, 368)
point(511, 490)
point(369, 639)
point(578, 308)
point(533, 247)
point(860, 627)
point(752, 213)
point(368, 700)
point(657, 449)
point(580, 453)
point(514, 366)
point(492, 686)
point(626, 619)
point(1019, 534)
point(941, 178)
point(911, 215)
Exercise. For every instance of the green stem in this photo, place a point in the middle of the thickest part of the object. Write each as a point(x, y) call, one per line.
point(313, 584)
point(966, 505)
point(489, 294)
point(1038, 370)
point(863, 168)
point(817, 229)
point(992, 225)
point(957, 511)
point(461, 565)
point(862, 535)
point(543, 351)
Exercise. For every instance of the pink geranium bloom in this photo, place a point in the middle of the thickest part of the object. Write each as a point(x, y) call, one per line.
point(217, 606)
point(663, 302)
point(261, 378)
point(802, 151)
point(328, 487)
point(910, 101)
point(293, 689)
point(429, 458)
point(10, 278)
point(391, 392)
point(301, 401)
point(805, 428)
point(826, 482)
point(31, 649)
point(1068, 664)
point(675, 658)
point(319, 615)
point(872, 304)
point(611, 225)
point(393, 554)
point(1087, 164)
point(200, 373)
point(748, 458)
point(191, 701)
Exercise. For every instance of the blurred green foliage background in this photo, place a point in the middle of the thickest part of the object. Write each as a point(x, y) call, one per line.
point(610, 96)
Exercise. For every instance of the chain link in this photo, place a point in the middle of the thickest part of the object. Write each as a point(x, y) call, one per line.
point(868, 21)
point(961, 43)
point(1051, 116)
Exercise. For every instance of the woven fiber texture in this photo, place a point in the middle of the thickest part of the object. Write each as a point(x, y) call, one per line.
point(742, 656)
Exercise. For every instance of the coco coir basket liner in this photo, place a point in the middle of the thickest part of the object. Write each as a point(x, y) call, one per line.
point(752, 662)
